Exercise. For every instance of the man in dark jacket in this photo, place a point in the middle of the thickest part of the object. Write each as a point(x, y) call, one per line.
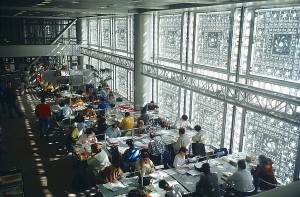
point(208, 185)
point(10, 99)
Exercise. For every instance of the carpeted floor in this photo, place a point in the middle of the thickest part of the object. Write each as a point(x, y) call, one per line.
point(47, 169)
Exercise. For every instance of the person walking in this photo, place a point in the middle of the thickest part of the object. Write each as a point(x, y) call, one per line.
point(43, 112)
point(25, 79)
point(10, 96)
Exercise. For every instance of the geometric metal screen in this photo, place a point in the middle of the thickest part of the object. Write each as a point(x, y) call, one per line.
point(276, 139)
point(121, 33)
point(276, 43)
point(212, 39)
point(106, 32)
point(170, 36)
point(122, 81)
point(93, 31)
point(168, 99)
point(208, 113)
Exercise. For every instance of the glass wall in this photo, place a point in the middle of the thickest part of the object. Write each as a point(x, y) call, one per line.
point(253, 46)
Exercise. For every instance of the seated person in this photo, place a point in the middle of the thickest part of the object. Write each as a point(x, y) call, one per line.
point(127, 122)
point(266, 173)
point(262, 160)
point(183, 122)
point(112, 109)
point(144, 117)
point(179, 160)
point(130, 156)
point(242, 179)
point(208, 184)
point(65, 111)
point(113, 131)
point(57, 86)
point(102, 94)
point(110, 174)
point(183, 140)
point(200, 137)
point(150, 106)
point(79, 120)
point(156, 148)
point(171, 191)
point(88, 137)
point(48, 87)
point(78, 101)
point(98, 161)
point(88, 112)
point(111, 97)
point(93, 97)
point(72, 136)
point(140, 128)
point(137, 193)
point(103, 104)
point(101, 127)
point(144, 164)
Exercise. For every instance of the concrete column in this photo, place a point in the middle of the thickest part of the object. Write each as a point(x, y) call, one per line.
point(79, 37)
point(142, 53)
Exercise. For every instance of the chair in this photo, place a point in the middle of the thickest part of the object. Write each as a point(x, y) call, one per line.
point(246, 193)
point(267, 185)
point(198, 149)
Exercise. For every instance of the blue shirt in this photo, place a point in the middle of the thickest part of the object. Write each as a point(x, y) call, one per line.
point(131, 154)
point(113, 134)
point(103, 105)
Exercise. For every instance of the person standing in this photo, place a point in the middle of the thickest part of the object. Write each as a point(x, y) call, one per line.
point(2, 98)
point(43, 112)
point(10, 99)
point(182, 141)
point(25, 79)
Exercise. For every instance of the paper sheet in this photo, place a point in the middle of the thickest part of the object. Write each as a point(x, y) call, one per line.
point(170, 171)
point(146, 140)
point(126, 182)
point(181, 171)
point(194, 172)
point(110, 186)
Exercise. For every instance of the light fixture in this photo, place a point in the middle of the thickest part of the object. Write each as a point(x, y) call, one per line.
point(46, 2)
point(40, 4)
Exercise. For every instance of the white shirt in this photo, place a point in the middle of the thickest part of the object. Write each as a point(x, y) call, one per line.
point(84, 138)
point(179, 161)
point(242, 180)
point(183, 140)
point(200, 137)
point(98, 162)
point(67, 111)
point(182, 124)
